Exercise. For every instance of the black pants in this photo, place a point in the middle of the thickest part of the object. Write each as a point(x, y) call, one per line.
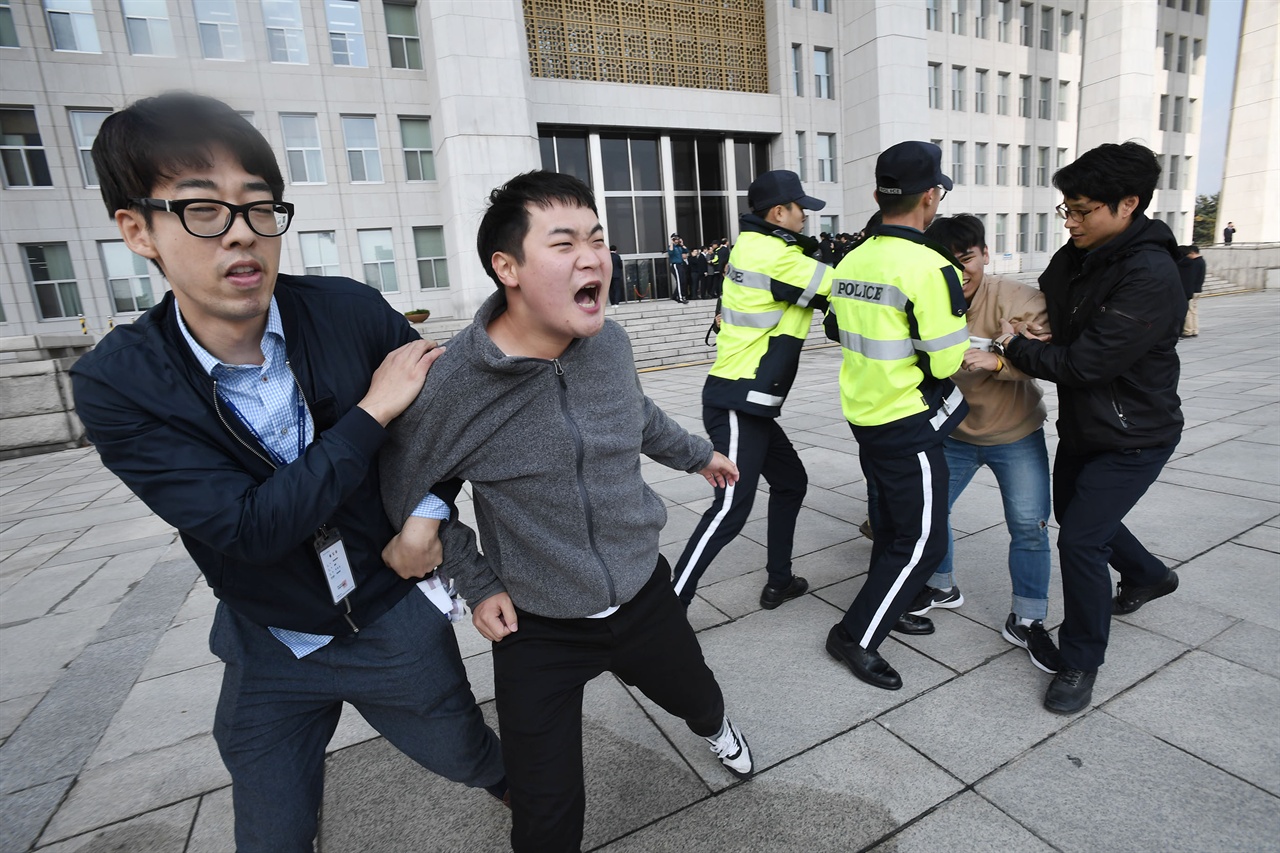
point(759, 447)
point(1092, 494)
point(680, 282)
point(539, 673)
point(910, 527)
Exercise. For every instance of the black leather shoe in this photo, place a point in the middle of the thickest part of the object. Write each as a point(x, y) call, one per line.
point(771, 597)
point(1070, 691)
point(914, 625)
point(1130, 598)
point(866, 665)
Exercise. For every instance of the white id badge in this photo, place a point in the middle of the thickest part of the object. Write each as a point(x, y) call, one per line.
point(333, 559)
point(437, 593)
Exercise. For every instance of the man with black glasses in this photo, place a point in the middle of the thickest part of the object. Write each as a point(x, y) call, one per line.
point(247, 409)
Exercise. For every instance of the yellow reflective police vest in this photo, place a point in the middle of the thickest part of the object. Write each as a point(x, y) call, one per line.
point(758, 347)
point(898, 307)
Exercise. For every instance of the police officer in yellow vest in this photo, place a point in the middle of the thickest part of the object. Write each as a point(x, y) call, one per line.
point(770, 289)
point(897, 307)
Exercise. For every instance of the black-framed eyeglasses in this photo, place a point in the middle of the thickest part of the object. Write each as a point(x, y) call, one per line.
point(207, 217)
point(1067, 213)
point(943, 192)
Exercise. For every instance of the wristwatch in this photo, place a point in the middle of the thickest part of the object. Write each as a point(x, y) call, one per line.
point(1001, 344)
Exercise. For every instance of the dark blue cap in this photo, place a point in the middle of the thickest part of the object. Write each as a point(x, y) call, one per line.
point(909, 168)
point(779, 187)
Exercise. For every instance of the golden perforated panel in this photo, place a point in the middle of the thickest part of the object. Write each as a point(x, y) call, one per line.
point(696, 44)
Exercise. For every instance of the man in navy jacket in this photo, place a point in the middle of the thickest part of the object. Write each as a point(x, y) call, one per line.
point(247, 409)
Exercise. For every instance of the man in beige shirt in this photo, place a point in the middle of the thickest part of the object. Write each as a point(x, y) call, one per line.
point(1004, 431)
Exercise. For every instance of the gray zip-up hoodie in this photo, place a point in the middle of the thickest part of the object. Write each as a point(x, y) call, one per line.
point(552, 451)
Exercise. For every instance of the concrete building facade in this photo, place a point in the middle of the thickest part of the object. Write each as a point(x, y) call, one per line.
point(394, 119)
point(1251, 182)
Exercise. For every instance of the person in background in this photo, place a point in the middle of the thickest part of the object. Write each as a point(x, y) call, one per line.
point(1191, 269)
point(617, 280)
point(698, 267)
point(677, 256)
point(1228, 233)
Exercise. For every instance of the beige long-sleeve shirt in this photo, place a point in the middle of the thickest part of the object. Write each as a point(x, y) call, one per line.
point(1004, 406)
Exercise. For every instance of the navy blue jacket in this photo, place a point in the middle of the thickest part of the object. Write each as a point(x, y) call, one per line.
point(147, 405)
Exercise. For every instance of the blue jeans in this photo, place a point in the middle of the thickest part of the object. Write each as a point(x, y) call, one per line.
point(1022, 471)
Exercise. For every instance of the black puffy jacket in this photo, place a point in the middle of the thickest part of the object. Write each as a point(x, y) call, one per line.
point(1116, 313)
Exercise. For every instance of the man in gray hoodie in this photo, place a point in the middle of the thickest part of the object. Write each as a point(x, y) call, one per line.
point(537, 403)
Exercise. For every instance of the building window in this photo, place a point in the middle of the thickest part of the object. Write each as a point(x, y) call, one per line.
point(363, 157)
point(980, 163)
point(1006, 19)
point(958, 13)
point(1024, 166)
point(71, 25)
point(800, 169)
point(1046, 28)
point(633, 207)
point(1042, 166)
point(402, 36)
point(8, 38)
point(935, 85)
point(1173, 171)
point(1024, 225)
point(147, 24)
point(980, 19)
point(822, 5)
point(128, 278)
point(1002, 164)
point(302, 149)
point(1197, 52)
point(1002, 233)
point(433, 270)
point(1168, 51)
point(1024, 96)
point(1177, 115)
point(933, 14)
point(1062, 158)
point(957, 163)
point(319, 252)
point(1064, 37)
point(1025, 24)
point(1182, 54)
point(54, 280)
point(219, 28)
point(286, 41)
point(1044, 107)
point(1042, 232)
point(84, 126)
point(957, 88)
point(822, 68)
point(980, 90)
point(419, 159)
point(1002, 96)
point(826, 157)
point(346, 33)
point(1191, 116)
point(797, 69)
point(1064, 90)
point(1199, 7)
point(1164, 112)
point(21, 150)
point(565, 152)
point(378, 254)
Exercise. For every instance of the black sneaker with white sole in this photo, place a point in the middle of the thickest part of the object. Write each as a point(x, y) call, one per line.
point(1036, 640)
point(929, 598)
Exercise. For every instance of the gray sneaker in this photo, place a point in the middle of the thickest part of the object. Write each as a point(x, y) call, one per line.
point(1036, 640)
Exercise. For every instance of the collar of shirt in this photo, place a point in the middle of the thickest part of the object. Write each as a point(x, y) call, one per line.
point(272, 338)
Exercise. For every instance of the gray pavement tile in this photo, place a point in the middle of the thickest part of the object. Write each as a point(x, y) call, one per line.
point(60, 503)
point(161, 712)
point(200, 601)
point(835, 797)
point(1132, 655)
point(840, 562)
point(835, 504)
point(1216, 485)
point(1163, 522)
point(470, 641)
point(184, 646)
point(58, 522)
point(1179, 619)
point(68, 554)
point(740, 557)
point(124, 531)
point(1249, 644)
point(773, 667)
point(814, 532)
point(967, 822)
point(1233, 459)
point(690, 487)
point(703, 616)
point(1234, 580)
point(978, 508)
point(161, 831)
point(113, 581)
point(40, 593)
point(352, 729)
point(959, 643)
point(480, 674)
point(678, 529)
point(214, 828)
point(14, 711)
point(1103, 785)
point(1208, 435)
point(829, 470)
point(33, 655)
point(151, 603)
point(1269, 434)
point(1266, 415)
point(23, 814)
point(31, 555)
point(141, 783)
point(1263, 537)
point(1175, 703)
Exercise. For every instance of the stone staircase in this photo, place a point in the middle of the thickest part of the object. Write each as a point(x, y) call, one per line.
point(663, 333)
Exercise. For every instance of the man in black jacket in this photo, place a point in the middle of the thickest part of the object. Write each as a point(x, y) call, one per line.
point(246, 409)
point(1115, 306)
point(1191, 267)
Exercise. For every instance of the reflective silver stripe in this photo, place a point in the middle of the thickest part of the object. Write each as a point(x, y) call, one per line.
point(746, 278)
point(765, 320)
point(959, 336)
point(949, 405)
point(762, 399)
point(870, 291)
point(819, 271)
point(878, 350)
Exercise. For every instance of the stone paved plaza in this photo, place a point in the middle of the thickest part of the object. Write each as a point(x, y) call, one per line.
point(107, 687)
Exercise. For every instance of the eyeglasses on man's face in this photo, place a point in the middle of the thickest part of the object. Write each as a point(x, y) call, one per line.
point(206, 217)
point(1070, 215)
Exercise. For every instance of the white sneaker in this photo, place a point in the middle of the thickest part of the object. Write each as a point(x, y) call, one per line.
point(732, 750)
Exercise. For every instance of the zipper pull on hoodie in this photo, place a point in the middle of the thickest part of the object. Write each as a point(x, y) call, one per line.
point(559, 367)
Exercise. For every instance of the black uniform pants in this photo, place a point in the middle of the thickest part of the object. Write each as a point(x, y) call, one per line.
point(539, 674)
point(759, 447)
point(1092, 493)
point(910, 539)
